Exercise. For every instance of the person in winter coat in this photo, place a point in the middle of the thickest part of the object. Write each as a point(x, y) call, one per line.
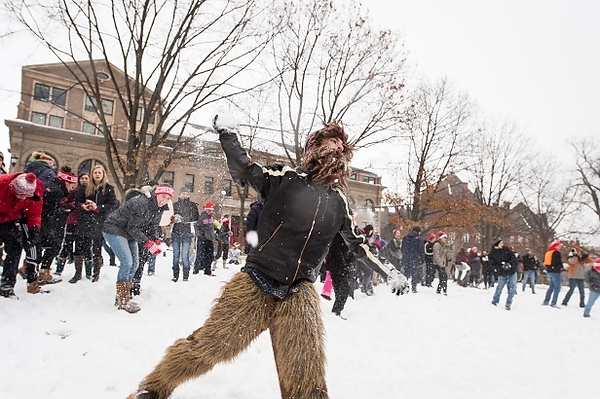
point(441, 258)
point(488, 272)
point(394, 249)
point(592, 277)
point(339, 262)
point(205, 235)
point(554, 266)
point(55, 210)
point(529, 269)
point(222, 235)
point(70, 234)
point(252, 221)
point(428, 255)
point(461, 257)
point(95, 201)
point(578, 261)
point(475, 265)
point(185, 214)
point(21, 197)
point(304, 209)
point(504, 260)
point(42, 165)
point(412, 256)
point(127, 227)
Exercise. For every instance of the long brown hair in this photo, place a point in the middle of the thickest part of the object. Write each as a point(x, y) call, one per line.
point(91, 186)
point(328, 165)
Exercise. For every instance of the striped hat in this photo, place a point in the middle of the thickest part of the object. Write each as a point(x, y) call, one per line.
point(597, 264)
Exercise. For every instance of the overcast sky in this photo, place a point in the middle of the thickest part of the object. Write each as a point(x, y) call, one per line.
point(534, 61)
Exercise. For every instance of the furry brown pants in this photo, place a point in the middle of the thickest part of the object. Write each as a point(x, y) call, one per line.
point(239, 315)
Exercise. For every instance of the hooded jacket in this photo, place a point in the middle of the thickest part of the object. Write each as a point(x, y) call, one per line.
point(89, 223)
point(299, 219)
point(13, 209)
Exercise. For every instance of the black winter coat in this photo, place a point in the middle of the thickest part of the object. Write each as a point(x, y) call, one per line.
point(503, 260)
point(299, 219)
point(55, 208)
point(592, 277)
point(41, 171)
point(188, 210)
point(137, 219)
point(89, 223)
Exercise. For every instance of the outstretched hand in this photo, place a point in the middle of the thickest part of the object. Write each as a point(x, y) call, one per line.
point(225, 124)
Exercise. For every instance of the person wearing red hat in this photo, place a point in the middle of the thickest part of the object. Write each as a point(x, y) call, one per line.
point(429, 266)
point(592, 277)
point(205, 235)
point(137, 221)
point(304, 208)
point(21, 197)
point(55, 210)
point(554, 267)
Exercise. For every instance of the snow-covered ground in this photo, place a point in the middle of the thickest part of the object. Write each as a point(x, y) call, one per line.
point(73, 343)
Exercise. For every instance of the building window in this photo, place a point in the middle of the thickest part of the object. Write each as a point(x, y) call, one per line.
point(138, 116)
point(168, 178)
point(38, 118)
point(466, 237)
point(90, 104)
point(89, 164)
point(209, 185)
point(59, 96)
point(368, 179)
point(369, 205)
point(41, 92)
point(107, 106)
point(189, 182)
point(56, 121)
point(227, 187)
point(149, 139)
point(353, 176)
point(152, 117)
point(90, 128)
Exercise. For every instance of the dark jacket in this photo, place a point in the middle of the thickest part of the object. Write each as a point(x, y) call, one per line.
point(503, 260)
point(55, 208)
point(428, 251)
point(43, 172)
point(253, 215)
point(412, 248)
point(592, 277)
point(556, 265)
point(529, 262)
point(205, 227)
point(188, 210)
point(89, 223)
point(137, 219)
point(299, 219)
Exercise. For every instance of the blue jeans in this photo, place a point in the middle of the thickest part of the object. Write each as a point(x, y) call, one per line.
point(529, 275)
point(553, 288)
point(127, 253)
point(593, 296)
point(181, 249)
point(575, 282)
point(511, 281)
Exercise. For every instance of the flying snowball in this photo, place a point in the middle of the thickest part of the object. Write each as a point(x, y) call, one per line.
point(226, 121)
point(252, 238)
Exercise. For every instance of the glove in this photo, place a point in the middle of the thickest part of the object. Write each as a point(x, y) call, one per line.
point(225, 124)
point(176, 218)
point(152, 247)
point(34, 237)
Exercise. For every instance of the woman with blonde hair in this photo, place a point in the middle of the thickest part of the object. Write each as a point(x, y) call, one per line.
point(95, 200)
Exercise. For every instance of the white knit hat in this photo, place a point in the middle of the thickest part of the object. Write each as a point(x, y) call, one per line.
point(24, 184)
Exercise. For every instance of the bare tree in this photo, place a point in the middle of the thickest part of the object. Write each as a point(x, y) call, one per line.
point(438, 124)
point(175, 58)
point(588, 169)
point(333, 65)
point(498, 163)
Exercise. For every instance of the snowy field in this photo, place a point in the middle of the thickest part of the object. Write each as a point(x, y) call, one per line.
point(73, 343)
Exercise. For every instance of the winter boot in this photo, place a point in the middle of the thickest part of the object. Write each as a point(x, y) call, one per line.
point(8, 292)
point(123, 300)
point(97, 263)
point(186, 275)
point(78, 259)
point(60, 266)
point(175, 275)
point(35, 288)
point(88, 269)
point(45, 277)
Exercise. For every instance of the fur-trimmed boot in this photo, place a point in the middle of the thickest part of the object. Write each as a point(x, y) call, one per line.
point(35, 288)
point(123, 300)
point(78, 260)
point(97, 263)
point(88, 268)
point(45, 277)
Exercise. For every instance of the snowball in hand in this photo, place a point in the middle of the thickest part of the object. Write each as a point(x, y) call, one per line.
point(226, 121)
point(252, 238)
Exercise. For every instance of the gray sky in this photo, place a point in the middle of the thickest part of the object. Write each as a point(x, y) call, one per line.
point(534, 61)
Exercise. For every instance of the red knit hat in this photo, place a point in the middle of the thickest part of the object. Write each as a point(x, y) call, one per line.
point(554, 246)
point(164, 189)
point(67, 177)
point(431, 236)
point(225, 221)
point(24, 184)
point(210, 206)
point(441, 234)
point(597, 264)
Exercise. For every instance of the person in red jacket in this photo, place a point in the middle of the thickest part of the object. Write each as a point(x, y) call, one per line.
point(21, 197)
